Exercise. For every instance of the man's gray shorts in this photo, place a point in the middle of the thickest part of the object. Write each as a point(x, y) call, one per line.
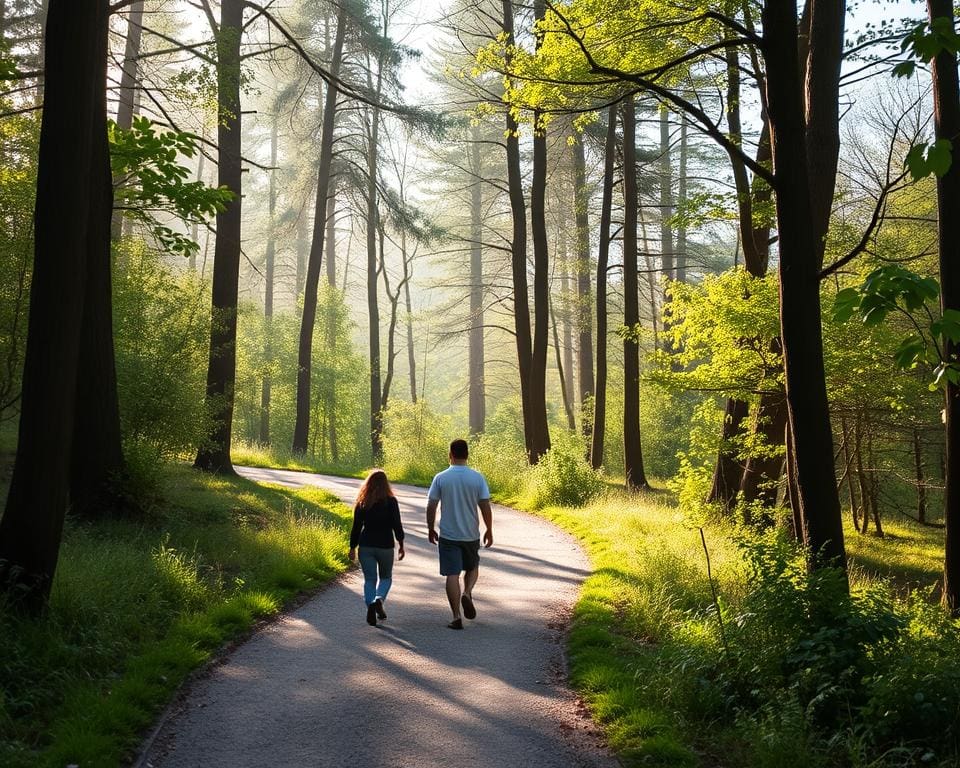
point(458, 556)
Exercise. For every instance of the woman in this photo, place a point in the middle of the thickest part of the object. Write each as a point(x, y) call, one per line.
point(376, 520)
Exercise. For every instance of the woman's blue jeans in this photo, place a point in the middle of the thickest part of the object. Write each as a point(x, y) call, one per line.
point(377, 565)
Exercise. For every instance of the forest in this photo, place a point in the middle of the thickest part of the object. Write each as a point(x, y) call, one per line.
point(681, 272)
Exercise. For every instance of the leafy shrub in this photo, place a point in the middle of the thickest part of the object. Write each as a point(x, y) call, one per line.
point(562, 477)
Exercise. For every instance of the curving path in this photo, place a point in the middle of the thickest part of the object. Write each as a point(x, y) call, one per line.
point(319, 687)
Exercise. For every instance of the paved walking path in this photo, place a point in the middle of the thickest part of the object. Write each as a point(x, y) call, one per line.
point(320, 687)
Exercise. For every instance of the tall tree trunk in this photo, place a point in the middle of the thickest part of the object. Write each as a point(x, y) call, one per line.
point(540, 431)
point(632, 452)
point(681, 259)
point(584, 315)
point(330, 246)
point(666, 201)
point(70, 181)
point(946, 115)
point(195, 227)
point(214, 454)
point(301, 429)
point(477, 384)
point(800, 328)
point(373, 307)
point(728, 469)
point(408, 319)
point(518, 257)
point(268, 289)
point(603, 255)
point(566, 308)
point(761, 473)
point(921, 483)
point(127, 97)
point(561, 371)
point(303, 252)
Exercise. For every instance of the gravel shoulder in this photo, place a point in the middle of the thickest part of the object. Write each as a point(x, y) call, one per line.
point(320, 687)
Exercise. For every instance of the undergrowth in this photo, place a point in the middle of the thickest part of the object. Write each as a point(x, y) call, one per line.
point(789, 672)
point(137, 605)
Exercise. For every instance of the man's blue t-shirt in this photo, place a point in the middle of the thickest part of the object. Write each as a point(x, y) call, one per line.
point(459, 489)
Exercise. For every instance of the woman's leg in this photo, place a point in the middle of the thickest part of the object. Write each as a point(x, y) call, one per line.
point(368, 563)
point(385, 567)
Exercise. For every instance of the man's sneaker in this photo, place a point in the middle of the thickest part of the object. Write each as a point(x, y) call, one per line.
point(372, 615)
point(378, 604)
point(468, 608)
point(455, 624)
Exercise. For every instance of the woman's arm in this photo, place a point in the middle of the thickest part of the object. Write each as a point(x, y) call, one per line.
point(355, 530)
point(397, 527)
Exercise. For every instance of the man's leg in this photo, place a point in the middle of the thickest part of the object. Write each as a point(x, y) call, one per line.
point(453, 594)
point(469, 581)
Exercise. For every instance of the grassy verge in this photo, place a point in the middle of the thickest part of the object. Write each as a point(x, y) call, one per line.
point(797, 677)
point(139, 604)
point(249, 455)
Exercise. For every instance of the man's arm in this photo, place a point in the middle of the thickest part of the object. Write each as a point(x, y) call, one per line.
point(432, 520)
point(487, 513)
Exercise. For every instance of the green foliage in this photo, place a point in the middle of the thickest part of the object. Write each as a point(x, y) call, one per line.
point(893, 288)
point(924, 159)
point(416, 442)
point(161, 337)
point(135, 607)
point(562, 476)
point(145, 161)
point(338, 380)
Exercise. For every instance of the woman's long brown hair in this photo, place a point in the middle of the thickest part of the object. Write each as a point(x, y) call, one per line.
point(375, 488)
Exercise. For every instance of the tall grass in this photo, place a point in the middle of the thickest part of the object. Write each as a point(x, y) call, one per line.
point(796, 675)
point(136, 605)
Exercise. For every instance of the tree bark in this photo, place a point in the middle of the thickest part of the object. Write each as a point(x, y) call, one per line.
point(666, 202)
point(126, 98)
point(632, 450)
point(681, 258)
point(800, 329)
point(69, 192)
point(584, 314)
point(603, 255)
point(477, 394)
point(518, 258)
point(540, 430)
point(921, 483)
point(728, 470)
point(946, 112)
point(268, 289)
point(214, 454)
point(330, 246)
point(301, 428)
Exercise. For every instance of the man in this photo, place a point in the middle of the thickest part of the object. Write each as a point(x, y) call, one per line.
point(460, 492)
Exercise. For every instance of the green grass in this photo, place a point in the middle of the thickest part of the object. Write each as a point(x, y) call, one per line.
point(271, 457)
point(137, 605)
point(645, 651)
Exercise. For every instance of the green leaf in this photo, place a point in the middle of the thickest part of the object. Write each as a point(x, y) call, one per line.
point(904, 69)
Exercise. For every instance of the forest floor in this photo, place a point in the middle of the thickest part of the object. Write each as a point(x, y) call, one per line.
point(321, 687)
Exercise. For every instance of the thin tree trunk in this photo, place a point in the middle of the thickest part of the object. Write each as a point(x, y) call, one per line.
point(606, 206)
point(312, 280)
point(801, 332)
point(848, 472)
point(303, 252)
point(477, 384)
point(268, 289)
point(408, 306)
point(584, 314)
point(330, 246)
point(373, 307)
point(666, 202)
point(564, 392)
point(567, 336)
point(632, 451)
point(214, 454)
point(67, 183)
point(861, 475)
point(681, 258)
point(761, 473)
point(128, 87)
point(195, 227)
point(921, 483)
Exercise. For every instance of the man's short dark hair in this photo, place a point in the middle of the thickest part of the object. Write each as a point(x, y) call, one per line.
point(459, 450)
